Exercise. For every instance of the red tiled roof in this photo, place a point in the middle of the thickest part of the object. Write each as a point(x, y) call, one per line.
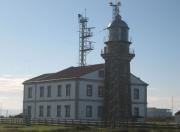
point(71, 72)
point(41, 77)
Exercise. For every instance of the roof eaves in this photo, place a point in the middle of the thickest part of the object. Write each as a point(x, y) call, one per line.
point(42, 81)
point(140, 79)
point(38, 77)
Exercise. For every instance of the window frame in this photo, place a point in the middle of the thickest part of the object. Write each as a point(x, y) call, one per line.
point(41, 111)
point(68, 90)
point(41, 93)
point(49, 90)
point(48, 114)
point(67, 111)
point(29, 111)
point(59, 90)
point(58, 113)
point(101, 73)
point(100, 91)
point(89, 111)
point(89, 90)
point(136, 93)
point(136, 111)
point(30, 92)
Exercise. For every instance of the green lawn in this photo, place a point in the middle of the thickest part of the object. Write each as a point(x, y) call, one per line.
point(41, 128)
point(35, 128)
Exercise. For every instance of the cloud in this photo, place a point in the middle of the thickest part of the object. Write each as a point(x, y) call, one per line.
point(11, 92)
point(10, 82)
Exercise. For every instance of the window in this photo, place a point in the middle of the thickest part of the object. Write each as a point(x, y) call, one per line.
point(49, 91)
point(89, 90)
point(136, 111)
point(119, 34)
point(30, 92)
point(48, 111)
point(29, 111)
point(101, 73)
point(136, 93)
point(88, 111)
point(124, 34)
point(67, 110)
point(68, 90)
point(41, 111)
point(100, 111)
point(59, 90)
point(58, 110)
point(41, 92)
point(100, 91)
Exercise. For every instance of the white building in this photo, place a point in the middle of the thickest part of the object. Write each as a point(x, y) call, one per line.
point(177, 117)
point(76, 93)
point(158, 112)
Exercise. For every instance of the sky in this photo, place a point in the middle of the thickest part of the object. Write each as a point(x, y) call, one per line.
point(41, 36)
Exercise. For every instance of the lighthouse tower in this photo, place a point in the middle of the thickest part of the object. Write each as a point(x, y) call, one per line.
point(117, 58)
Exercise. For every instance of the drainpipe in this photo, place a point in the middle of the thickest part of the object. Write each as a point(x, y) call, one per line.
point(77, 99)
point(35, 101)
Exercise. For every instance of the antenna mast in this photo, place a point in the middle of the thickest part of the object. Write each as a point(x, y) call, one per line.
point(172, 104)
point(85, 45)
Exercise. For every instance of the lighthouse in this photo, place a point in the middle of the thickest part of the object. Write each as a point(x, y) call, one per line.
point(117, 56)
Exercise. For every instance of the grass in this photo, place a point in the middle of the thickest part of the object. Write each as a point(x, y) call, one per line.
point(42, 128)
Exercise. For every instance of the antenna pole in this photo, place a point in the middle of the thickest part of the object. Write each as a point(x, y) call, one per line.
point(172, 104)
point(85, 33)
point(1, 109)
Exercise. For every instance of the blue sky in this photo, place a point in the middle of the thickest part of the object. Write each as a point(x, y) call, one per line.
point(41, 36)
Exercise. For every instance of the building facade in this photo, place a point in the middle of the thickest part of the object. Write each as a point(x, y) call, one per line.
point(177, 117)
point(76, 93)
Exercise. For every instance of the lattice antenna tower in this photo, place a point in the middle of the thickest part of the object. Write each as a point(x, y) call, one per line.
point(85, 44)
point(115, 6)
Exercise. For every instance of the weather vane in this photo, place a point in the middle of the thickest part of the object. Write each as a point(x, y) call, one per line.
point(115, 6)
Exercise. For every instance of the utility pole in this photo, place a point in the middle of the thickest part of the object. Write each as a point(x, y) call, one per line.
point(7, 113)
point(172, 104)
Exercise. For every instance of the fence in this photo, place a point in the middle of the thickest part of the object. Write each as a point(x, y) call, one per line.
point(100, 124)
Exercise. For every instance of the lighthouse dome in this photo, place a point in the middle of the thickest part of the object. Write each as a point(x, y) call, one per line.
point(118, 23)
point(118, 29)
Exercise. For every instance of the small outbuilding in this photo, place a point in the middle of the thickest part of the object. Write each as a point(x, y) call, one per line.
point(177, 117)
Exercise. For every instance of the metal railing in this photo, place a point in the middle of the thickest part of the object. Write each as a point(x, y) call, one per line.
point(132, 51)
